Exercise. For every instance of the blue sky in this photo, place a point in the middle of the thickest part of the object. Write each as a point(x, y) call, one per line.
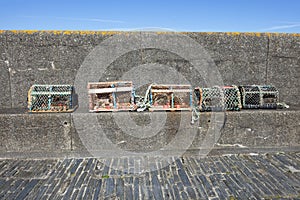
point(185, 15)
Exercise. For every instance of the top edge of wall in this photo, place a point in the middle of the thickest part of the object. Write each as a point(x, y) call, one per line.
point(73, 32)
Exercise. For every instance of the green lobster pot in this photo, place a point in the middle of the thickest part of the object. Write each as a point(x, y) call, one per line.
point(218, 98)
point(51, 98)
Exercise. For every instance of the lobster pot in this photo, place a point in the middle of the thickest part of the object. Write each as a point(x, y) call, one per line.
point(259, 96)
point(110, 96)
point(218, 98)
point(171, 97)
point(50, 98)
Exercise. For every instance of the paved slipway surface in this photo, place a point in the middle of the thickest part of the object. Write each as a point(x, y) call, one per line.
point(243, 176)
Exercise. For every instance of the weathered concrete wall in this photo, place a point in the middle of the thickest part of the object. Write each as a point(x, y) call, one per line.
point(283, 69)
point(54, 57)
point(29, 57)
point(56, 134)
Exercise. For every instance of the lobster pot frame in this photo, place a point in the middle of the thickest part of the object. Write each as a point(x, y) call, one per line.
point(218, 98)
point(259, 96)
point(51, 98)
point(110, 96)
point(171, 97)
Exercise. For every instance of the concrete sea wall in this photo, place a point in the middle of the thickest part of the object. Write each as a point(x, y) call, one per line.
point(54, 57)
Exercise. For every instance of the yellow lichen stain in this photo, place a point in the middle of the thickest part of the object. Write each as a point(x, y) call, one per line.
point(24, 31)
point(257, 34)
point(108, 32)
point(252, 34)
point(30, 31)
point(14, 31)
point(277, 34)
point(296, 34)
point(233, 33)
point(68, 32)
point(53, 32)
point(162, 32)
point(210, 33)
point(64, 32)
point(126, 33)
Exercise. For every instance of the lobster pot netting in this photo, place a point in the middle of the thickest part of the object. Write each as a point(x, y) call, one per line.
point(218, 98)
point(171, 97)
point(232, 98)
point(209, 98)
point(50, 98)
point(110, 96)
point(259, 96)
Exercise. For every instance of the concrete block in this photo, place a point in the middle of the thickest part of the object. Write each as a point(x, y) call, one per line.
point(36, 133)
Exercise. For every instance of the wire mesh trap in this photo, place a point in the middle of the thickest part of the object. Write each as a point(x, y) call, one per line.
point(259, 96)
point(111, 96)
point(171, 97)
point(51, 98)
point(218, 98)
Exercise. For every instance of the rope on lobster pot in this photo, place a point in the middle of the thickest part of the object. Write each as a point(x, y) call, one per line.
point(282, 105)
point(195, 115)
point(144, 103)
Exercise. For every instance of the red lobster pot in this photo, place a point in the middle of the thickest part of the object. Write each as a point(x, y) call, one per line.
point(111, 96)
point(171, 97)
